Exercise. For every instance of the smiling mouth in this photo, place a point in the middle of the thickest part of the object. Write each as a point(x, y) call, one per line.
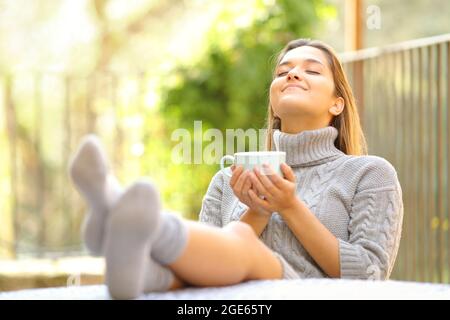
point(295, 87)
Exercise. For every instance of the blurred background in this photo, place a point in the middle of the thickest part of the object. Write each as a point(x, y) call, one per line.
point(133, 71)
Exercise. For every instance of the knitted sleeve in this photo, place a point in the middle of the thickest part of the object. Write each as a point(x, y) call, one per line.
point(211, 205)
point(375, 224)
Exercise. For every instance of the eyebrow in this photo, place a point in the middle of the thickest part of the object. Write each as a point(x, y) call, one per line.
point(310, 60)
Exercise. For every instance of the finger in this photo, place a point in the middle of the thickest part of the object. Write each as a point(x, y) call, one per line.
point(287, 172)
point(240, 183)
point(258, 201)
point(246, 187)
point(268, 185)
point(247, 184)
point(236, 174)
point(258, 185)
point(273, 176)
point(233, 167)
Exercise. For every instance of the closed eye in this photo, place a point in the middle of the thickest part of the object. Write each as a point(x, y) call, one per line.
point(282, 74)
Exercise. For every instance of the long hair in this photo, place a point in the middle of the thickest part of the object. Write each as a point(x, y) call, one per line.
point(351, 138)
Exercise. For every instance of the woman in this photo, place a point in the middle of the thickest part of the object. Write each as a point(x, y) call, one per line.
point(336, 213)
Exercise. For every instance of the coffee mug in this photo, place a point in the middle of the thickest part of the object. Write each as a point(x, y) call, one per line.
point(252, 159)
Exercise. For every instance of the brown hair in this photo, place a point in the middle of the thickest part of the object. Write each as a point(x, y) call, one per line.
point(351, 138)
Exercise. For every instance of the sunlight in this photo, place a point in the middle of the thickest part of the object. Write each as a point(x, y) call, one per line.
point(137, 149)
point(121, 9)
point(151, 99)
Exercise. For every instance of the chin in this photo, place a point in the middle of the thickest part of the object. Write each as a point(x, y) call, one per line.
point(291, 107)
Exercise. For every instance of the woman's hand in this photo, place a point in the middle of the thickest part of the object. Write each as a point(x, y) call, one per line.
point(242, 185)
point(279, 194)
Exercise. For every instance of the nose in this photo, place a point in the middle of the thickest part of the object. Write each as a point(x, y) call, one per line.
point(293, 73)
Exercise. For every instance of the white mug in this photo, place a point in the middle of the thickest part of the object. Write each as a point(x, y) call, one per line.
point(252, 159)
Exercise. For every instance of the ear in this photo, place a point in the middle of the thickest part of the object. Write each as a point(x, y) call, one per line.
point(338, 106)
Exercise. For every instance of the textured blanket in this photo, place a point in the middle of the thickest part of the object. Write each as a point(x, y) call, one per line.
point(262, 290)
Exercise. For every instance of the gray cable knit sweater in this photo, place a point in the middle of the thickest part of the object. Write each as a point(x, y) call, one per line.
point(358, 198)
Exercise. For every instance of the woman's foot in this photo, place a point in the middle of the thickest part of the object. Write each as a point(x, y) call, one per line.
point(90, 173)
point(132, 227)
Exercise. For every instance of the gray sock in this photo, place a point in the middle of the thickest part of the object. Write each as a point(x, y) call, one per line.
point(90, 173)
point(131, 229)
point(170, 240)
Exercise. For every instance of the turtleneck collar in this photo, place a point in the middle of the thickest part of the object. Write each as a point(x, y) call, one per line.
point(309, 147)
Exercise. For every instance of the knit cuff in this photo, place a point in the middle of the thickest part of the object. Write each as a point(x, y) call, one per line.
point(171, 240)
point(350, 261)
point(210, 212)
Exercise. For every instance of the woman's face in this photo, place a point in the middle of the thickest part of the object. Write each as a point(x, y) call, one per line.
point(303, 88)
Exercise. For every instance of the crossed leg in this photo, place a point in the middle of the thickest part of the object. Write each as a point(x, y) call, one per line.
point(224, 256)
point(148, 250)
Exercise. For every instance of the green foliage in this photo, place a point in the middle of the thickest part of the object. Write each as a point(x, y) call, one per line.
point(228, 86)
